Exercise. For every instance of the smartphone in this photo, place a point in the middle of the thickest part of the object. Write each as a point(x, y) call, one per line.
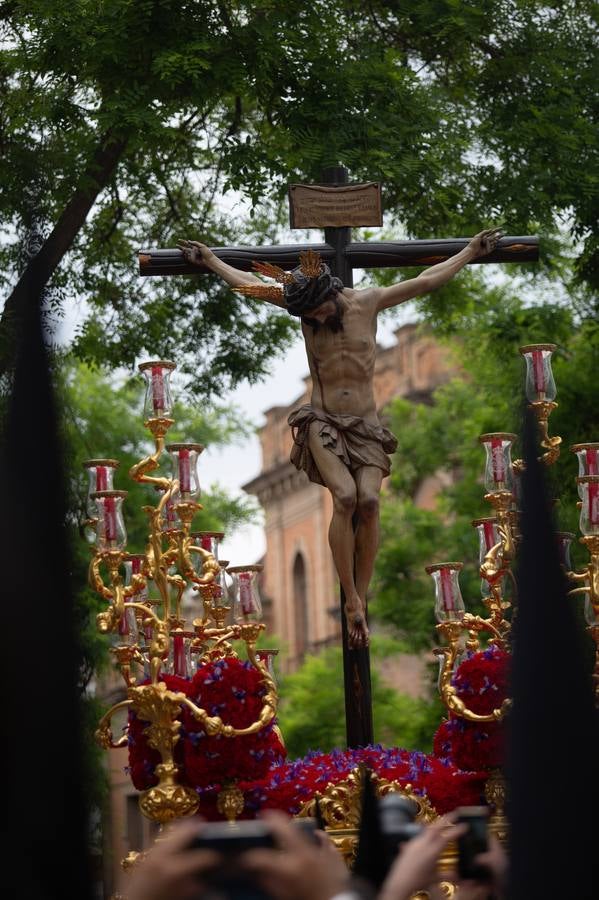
point(473, 842)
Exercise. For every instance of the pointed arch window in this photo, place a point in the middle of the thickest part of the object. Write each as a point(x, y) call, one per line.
point(300, 606)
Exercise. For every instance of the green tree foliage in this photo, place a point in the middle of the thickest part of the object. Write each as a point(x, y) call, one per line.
point(311, 712)
point(485, 331)
point(123, 121)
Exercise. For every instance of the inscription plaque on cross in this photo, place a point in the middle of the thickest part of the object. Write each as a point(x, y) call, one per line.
point(337, 206)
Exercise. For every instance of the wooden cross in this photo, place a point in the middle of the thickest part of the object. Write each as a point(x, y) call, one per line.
point(343, 256)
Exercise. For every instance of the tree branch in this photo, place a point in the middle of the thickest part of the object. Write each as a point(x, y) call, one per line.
point(30, 287)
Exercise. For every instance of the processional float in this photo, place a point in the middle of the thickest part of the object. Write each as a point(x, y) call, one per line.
point(202, 731)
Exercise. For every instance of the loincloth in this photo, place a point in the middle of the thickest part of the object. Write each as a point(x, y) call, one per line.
point(354, 441)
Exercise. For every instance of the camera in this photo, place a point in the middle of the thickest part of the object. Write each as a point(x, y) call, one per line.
point(473, 842)
point(232, 839)
point(397, 816)
point(229, 880)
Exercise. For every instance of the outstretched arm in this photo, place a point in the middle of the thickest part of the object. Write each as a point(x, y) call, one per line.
point(200, 255)
point(432, 278)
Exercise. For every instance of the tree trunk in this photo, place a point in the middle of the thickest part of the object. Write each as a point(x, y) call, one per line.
point(41, 267)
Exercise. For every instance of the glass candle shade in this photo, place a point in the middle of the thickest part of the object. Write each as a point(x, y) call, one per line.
point(564, 541)
point(148, 629)
point(158, 401)
point(517, 489)
point(100, 478)
point(499, 475)
point(110, 530)
point(589, 510)
point(217, 592)
point(179, 659)
point(540, 384)
point(588, 460)
point(247, 606)
point(208, 540)
point(488, 537)
point(169, 520)
point(128, 630)
point(184, 458)
point(133, 564)
point(221, 587)
point(449, 604)
point(267, 657)
point(591, 613)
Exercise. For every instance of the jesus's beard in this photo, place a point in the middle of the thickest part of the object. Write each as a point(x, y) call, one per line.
point(334, 323)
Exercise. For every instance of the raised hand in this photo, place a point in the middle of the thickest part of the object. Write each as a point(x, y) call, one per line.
point(416, 866)
point(172, 870)
point(196, 253)
point(485, 241)
point(298, 869)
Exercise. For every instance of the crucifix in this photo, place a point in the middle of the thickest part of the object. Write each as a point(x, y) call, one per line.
point(338, 439)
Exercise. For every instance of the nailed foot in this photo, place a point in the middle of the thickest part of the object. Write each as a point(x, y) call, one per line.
point(357, 629)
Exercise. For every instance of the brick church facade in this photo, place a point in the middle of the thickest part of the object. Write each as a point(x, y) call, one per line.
point(299, 583)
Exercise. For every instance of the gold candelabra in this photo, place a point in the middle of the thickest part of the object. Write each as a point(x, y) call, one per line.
point(540, 392)
point(587, 580)
point(498, 542)
point(153, 637)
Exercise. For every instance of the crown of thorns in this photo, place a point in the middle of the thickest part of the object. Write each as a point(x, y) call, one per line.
point(304, 288)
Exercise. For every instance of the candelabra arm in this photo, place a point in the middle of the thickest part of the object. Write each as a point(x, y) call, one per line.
point(103, 734)
point(502, 552)
point(161, 561)
point(222, 639)
point(448, 692)
point(179, 584)
point(590, 583)
point(147, 611)
point(210, 567)
point(493, 567)
point(542, 410)
point(108, 620)
point(457, 706)
point(477, 623)
point(95, 580)
point(138, 583)
point(507, 539)
point(214, 725)
point(578, 576)
point(159, 648)
point(139, 472)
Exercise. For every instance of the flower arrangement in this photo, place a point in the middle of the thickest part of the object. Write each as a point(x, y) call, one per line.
point(289, 786)
point(228, 688)
point(481, 681)
point(454, 775)
point(234, 691)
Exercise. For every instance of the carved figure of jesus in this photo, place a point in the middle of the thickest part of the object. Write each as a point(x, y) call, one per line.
point(338, 439)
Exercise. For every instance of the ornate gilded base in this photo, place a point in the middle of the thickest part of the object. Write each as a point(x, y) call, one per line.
point(495, 797)
point(164, 803)
point(230, 802)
